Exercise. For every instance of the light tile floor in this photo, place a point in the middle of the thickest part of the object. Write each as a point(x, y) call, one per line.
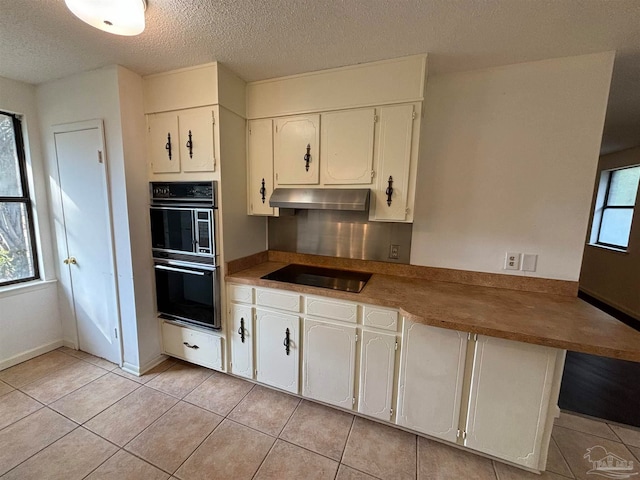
point(69, 415)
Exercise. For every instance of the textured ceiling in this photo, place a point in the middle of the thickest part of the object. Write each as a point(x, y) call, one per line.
point(41, 40)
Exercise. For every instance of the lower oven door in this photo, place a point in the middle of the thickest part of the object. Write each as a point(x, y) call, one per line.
point(189, 293)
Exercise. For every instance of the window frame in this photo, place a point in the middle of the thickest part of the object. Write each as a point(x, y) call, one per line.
point(604, 206)
point(25, 199)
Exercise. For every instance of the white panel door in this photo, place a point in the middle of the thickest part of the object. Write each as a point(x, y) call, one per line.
point(509, 399)
point(393, 161)
point(242, 340)
point(260, 156)
point(197, 152)
point(276, 364)
point(377, 366)
point(87, 262)
point(163, 142)
point(328, 365)
point(292, 137)
point(346, 151)
point(431, 376)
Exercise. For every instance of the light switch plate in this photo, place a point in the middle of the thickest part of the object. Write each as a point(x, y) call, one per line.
point(529, 262)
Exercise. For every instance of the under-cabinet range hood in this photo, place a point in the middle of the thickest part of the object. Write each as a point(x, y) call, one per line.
point(354, 199)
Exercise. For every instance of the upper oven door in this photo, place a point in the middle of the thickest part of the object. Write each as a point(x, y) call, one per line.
point(173, 230)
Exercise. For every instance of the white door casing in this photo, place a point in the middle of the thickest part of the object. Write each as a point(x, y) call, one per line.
point(87, 260)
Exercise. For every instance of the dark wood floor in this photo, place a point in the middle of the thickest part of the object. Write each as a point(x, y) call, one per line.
point(602, 387)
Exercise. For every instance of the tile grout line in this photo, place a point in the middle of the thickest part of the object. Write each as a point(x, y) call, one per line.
point(106, 460)
point(573, 475)
point(353, 421)
point(589, 433)
point(495, 470)
point(199, 445)
point(43, 448)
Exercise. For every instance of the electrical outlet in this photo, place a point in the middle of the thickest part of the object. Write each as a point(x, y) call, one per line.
point(394, 252)
point(512, 261)
point(529, 262)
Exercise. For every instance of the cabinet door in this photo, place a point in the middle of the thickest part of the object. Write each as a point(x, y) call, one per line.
point(260, 144)
point(346, 151)
point(431, 377)
point(276, 366)
point(509, 398)
point(293, 135)
point(201, 156)
point(393, 161)
point(328, 366)
point(242, 340)
point(164, 141)
point(377, 366)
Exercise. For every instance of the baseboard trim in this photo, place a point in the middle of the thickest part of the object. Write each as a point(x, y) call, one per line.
point(29, 354)
point(139, 371)
point(624, 315)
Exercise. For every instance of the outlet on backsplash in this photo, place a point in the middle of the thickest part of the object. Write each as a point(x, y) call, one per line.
point(512, 261)
point(394, 251)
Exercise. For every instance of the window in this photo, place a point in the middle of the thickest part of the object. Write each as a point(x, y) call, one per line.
point(18, 261)
point(614, 207)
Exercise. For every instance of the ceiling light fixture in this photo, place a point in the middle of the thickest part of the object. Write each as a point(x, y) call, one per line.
point(121, 17)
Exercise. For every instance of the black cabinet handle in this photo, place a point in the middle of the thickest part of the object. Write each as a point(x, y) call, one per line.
point(241, 330)
point(307, 157)
point(263, 191)
point(190, 145)
point(186, 344)
point(167, 147)
point(287, 342)
point(389, 190)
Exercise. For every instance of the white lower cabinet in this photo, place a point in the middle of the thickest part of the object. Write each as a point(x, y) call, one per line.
point(241, 340)
point(277, 338)
point(431, 379)
point(491, 395)
point(511, 386)
point(195, 346)
point(377, 367)
point(329, 354)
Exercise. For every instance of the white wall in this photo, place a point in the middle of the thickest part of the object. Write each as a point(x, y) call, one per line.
point(97, 95)
point(27, 332)
point(508, 161)
point(610, 276)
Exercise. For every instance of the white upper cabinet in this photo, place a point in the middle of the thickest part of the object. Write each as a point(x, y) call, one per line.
point(510, 394)
point(393, 154)
point(163, 141)
point(377, 367)
point(431, 379)
point(197, 141)
point(346, 148)
point(295, 150)
point(260, 155)
point(329, 358)
point(182, 141)
point(277, 349)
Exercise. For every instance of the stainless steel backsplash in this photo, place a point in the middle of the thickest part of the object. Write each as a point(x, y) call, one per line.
point(339, 234)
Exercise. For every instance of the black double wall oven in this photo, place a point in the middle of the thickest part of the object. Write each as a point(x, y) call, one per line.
point(183, 237)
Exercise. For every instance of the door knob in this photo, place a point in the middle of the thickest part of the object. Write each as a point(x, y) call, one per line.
point(70, 261)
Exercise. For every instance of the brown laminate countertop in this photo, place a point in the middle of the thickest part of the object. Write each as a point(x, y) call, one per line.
point(544, 319)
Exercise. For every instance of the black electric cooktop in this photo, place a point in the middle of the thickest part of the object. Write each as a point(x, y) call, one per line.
point(344, 280)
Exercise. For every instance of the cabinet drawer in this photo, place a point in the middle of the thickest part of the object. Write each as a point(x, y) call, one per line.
point(240, 293)
point(277, 299)
point(380, 318)
point(333, 309)
point(181, 342)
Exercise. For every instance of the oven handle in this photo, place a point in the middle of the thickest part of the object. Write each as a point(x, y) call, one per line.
point(180, 270)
